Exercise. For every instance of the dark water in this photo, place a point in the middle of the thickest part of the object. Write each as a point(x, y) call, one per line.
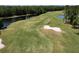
point(61, 16)
point(5, 23)
point(8, 21)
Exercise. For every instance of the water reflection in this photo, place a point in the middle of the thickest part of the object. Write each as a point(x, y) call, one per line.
point(8, 21)
point(61, 16)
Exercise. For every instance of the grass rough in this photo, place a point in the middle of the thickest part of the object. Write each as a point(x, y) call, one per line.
point(29, 35)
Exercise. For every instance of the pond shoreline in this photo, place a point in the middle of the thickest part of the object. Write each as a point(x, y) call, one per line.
point(8, 20)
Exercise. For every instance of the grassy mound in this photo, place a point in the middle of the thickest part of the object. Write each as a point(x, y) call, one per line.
point(29, 35)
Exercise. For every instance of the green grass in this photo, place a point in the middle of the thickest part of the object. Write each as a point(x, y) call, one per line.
point(29, 35)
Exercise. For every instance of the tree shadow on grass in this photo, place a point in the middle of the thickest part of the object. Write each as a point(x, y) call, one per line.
point(77, 30)
point(77, 33)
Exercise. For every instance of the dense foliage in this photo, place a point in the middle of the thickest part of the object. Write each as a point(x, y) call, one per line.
point(72, 14)
point(21, 10)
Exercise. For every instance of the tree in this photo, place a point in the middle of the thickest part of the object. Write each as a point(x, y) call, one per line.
point(71, 14)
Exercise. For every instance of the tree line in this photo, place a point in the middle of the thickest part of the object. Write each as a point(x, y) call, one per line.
point(71, 14)
point(22, 10)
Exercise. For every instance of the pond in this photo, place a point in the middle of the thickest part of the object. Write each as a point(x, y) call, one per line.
point(61, 16)
point(8, 21)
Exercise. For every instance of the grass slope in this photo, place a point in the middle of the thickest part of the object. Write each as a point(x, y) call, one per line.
point(29, 36)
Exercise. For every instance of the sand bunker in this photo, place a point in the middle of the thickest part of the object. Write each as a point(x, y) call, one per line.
point(57, 29)
point(1, 44)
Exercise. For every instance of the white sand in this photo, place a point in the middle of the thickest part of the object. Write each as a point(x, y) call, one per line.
point(57, 29)
point(1, 44)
